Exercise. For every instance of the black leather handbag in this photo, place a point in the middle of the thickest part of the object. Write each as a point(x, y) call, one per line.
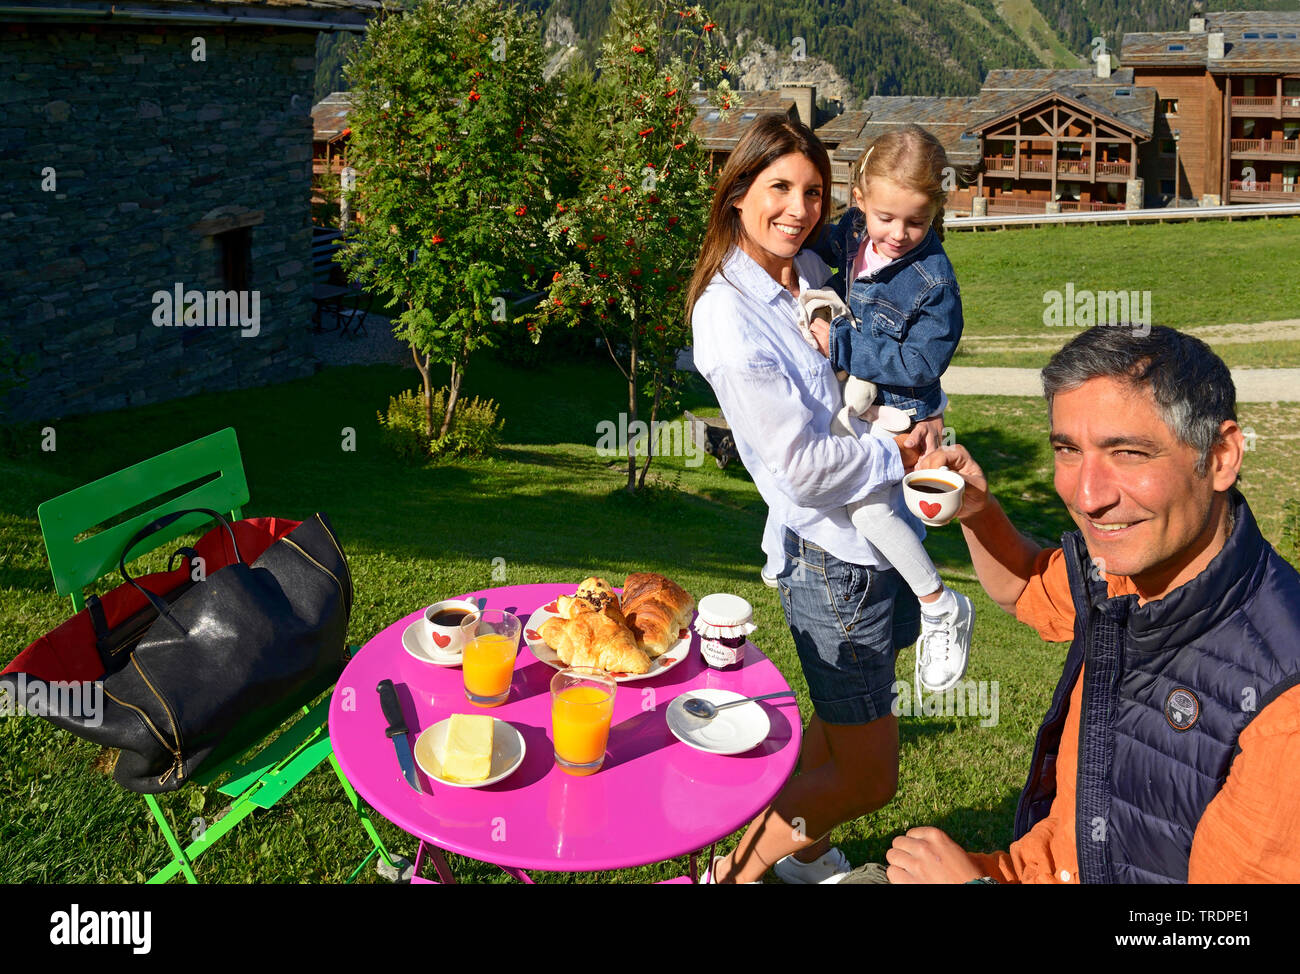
point(211, 661)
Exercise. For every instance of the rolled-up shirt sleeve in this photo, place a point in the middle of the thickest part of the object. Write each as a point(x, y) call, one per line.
point(809, 465)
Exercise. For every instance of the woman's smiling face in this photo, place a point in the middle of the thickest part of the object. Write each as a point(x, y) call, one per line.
point(780, 209)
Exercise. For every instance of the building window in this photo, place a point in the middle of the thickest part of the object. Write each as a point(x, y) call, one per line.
point(1067, 192)
point(1169, 106)
point(1175, 47)
point(1247, 128)
point(1251, 35)
point(1006, 186)
point(234, 250)
point(1289, 174)
point(1166, 147)
point(1166, 187)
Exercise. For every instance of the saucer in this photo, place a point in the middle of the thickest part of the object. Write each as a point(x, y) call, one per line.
point(414, 642)
point(507, 753)
point(732, 731)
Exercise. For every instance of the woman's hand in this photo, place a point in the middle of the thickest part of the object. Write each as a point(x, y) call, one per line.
point(958, 459)
point(923, 438)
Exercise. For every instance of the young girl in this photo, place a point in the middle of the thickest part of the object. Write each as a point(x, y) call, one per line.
point(894, 340)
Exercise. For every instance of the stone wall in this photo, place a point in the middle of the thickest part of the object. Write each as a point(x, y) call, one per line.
point(124, 155)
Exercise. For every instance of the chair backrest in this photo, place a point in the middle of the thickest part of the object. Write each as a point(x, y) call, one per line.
point(209, 473)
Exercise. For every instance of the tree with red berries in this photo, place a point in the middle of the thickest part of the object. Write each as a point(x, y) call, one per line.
point(629, 238)
point(452, 138)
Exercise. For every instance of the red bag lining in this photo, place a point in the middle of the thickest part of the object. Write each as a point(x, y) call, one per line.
point(68, 653)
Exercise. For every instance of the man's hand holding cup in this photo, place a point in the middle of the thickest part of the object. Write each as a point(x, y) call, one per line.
point(957, 460)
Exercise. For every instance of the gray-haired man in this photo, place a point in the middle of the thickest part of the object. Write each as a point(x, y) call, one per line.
point(1171, 747)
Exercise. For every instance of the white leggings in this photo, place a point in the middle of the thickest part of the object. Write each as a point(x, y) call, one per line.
point(876, 519)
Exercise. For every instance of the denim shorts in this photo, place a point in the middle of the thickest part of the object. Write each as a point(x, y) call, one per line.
point(848, 623)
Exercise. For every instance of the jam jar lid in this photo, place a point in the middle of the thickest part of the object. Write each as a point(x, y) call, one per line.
point(722, 615)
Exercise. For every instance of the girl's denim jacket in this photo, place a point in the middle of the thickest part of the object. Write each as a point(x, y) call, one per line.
point(905, 319)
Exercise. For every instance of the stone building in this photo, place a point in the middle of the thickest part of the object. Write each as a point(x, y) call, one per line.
point(157, 160)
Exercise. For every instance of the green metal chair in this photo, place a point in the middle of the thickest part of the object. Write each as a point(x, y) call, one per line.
point(208, 472)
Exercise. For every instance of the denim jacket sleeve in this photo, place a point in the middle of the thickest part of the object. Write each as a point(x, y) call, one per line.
point(894, 349)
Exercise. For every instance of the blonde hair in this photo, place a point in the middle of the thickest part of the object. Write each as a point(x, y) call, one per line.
point(770, 137)
point(911, 157)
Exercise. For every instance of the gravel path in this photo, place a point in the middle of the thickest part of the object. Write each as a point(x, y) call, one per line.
point(1253, 385)
point(378, 346)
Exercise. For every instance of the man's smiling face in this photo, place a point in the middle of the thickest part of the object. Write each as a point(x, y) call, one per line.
point(1132, 487)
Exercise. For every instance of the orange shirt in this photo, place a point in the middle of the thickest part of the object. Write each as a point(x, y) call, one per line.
point(1250, 831)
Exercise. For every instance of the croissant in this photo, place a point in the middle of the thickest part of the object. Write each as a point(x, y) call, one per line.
point(656, 609)
point(595, 638)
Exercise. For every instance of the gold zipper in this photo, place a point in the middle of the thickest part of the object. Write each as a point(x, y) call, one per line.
point(156, 733)
point(176, 731)
point(300, 551)
point(330, 534)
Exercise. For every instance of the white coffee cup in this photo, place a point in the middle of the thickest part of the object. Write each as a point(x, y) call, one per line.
point(939, 499)
point(445, 636)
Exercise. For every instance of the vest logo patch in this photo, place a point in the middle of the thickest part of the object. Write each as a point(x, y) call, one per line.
point(1182, 709)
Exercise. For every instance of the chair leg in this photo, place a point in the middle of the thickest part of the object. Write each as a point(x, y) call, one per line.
point(179, 858)
point(359, 807)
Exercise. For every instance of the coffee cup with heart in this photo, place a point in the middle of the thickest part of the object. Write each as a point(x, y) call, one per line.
point(442, 626)
point(934, 495)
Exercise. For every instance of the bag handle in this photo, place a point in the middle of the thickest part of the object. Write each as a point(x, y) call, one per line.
point(156, 526)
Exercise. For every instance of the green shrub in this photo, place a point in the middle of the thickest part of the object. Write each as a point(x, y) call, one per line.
point(475, 429)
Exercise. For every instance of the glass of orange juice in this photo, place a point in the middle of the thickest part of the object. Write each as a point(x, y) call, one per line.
point(488, 664)
point(582, 706)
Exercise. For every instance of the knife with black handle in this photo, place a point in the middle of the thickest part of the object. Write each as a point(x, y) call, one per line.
point(397, 731)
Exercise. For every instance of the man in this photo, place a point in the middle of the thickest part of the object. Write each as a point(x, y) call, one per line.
point(1171, 750)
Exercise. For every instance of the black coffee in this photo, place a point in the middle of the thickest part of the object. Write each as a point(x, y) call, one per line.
point(449, 617)
point(931, 486)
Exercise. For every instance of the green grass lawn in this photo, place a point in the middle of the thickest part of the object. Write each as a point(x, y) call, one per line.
point(1199, 275)
point(555, 511)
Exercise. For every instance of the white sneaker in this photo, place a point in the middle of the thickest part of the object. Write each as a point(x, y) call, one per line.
point(830, 868)
point(943, 650)
point(768, 580)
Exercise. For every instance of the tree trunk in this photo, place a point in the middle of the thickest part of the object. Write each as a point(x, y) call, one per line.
point(631, 417)
point(650, 439)
point(453, 393)
point(427, 388)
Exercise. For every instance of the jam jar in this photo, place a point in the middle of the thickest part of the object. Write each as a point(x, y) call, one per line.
point(724, 622)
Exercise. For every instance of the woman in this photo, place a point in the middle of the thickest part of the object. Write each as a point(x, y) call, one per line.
point(848, 611)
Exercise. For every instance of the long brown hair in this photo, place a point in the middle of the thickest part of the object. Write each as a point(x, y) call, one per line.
point(770, 137)
point(911, 157)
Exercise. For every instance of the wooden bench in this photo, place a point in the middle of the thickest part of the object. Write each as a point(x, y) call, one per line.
point(331, 288)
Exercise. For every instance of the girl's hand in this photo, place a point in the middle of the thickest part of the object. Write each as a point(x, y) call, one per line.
point(821, 331)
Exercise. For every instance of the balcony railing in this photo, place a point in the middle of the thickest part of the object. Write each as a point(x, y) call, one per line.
point(1069, 207)
point(1272, 147)
point(1255, 187)
point(999, 163)
point(1288, 105)
point(1114, 168)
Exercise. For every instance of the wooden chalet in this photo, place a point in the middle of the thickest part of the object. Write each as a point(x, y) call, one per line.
point(1060, 136)
point(720, 134)
point(1228, 121)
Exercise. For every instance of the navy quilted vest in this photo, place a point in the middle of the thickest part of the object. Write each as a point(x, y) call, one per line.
point(1168, 688)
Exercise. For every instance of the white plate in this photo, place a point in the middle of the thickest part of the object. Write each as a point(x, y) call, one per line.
point(733, 731)
point(414, 641)
point(672, 656)
point(507, 752)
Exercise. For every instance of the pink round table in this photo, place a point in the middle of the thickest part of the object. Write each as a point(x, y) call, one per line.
point(654, 799)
